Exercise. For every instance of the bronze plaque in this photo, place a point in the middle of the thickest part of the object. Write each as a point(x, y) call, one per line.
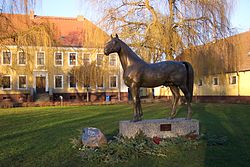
point(165, 127)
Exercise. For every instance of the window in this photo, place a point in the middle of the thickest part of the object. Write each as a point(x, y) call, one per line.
point(58, 58)
point(21, 58)
point(113, 81)
point(215, 81)
point(99, 59)
point(72, 81)
point(22, 82)
point(40, 59)
point(6, 98)
point(200, 82)
point(6, 58)
point(86, 58)
point(58, 81)
point(232, 80)
point(86, 82)
point(72, 59)
point(100, 82)
point(86, 85)
point(6, 82)
point(112, 59)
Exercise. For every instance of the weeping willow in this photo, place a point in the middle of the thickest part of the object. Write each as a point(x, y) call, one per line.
point(90, 74)
point(165, 27)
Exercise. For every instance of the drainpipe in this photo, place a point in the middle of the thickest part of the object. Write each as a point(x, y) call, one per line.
point(237, 70)
point(238, 82)
point(119, 84)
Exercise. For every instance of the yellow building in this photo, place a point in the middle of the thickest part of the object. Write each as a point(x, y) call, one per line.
point(222, 71)
point(59, 71)
point(46, 73)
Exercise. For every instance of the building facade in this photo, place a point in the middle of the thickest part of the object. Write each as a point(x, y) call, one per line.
point(229, 76)
point(74, 67)
point(42, 73)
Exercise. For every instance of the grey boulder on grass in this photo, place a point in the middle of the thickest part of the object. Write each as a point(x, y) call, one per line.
point(93, 137)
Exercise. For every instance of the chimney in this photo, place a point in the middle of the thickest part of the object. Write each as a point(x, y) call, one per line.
point(80, 18)
point(32, 15)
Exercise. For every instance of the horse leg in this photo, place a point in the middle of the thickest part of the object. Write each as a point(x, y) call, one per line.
point(136, 102)
point(176, 95)
point(188, 97)
point(139, 107)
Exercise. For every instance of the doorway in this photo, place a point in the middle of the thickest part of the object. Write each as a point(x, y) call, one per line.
point(40, 84)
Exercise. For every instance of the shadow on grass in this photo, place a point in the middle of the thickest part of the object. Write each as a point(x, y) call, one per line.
point(50, 139)
point(222, 120)
point(46, 140)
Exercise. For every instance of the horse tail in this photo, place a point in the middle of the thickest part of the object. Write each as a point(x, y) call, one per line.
point(190, 78)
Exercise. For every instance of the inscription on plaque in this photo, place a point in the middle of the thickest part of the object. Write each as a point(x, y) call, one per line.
point(165, 127)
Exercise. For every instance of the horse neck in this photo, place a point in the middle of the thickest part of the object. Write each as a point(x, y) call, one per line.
point(128, 57)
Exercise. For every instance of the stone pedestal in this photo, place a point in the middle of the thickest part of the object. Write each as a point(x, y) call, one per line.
point(162, 128)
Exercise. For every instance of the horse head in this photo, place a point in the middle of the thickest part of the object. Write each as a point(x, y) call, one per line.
point(112, 46)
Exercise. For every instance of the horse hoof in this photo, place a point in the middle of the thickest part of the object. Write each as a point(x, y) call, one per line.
point(172, 116)
point(140, 118)
point(189, 117)
point(134, 120)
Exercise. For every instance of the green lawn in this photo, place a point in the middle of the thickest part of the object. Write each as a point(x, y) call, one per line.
point(41, 136)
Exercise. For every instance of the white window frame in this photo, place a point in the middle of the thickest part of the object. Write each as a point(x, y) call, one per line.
point(97, 59)
point(26, 82)
point(69, 83)
point(10, 58)
point(55, 81)
point(218, 81)
point(110, 56)
point(69, 59)
point(10, 83)
point(55, 59)
point(87, 53)
point(116, 81)
point(19, 59)
point(44, 58)
point(231, 79)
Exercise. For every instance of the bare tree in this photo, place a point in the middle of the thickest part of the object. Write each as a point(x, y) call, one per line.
point(166, 27)
point(91, 75)
point(18, 6)
point(19, 28)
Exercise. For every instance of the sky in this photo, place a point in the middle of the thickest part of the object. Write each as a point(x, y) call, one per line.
point(66, 8)
point(240, 17)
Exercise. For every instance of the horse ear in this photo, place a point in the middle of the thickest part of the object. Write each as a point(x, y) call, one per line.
point(111, 36)
point(116, 36)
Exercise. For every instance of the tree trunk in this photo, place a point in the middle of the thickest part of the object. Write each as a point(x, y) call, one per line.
point(87, 94)
point(171, 4)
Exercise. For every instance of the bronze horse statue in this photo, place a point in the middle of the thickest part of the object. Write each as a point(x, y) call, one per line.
point(138, 73)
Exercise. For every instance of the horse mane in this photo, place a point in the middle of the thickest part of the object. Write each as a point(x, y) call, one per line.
point(132, 55)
